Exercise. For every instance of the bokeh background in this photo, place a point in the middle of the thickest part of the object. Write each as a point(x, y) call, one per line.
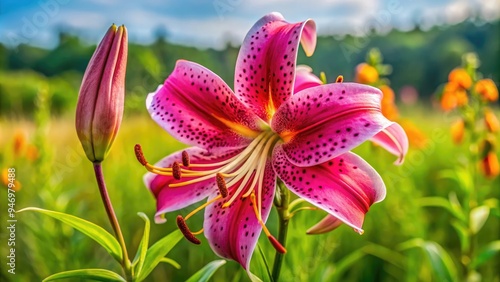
point(44, 50)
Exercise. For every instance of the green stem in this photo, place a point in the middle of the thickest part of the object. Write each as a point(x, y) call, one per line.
point(284, 217)
point(126, 265)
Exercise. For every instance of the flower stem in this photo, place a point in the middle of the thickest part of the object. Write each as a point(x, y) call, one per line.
point(284, 217)
point(126, 265)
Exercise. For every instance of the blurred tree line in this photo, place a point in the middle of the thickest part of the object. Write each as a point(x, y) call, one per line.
point(419, 58)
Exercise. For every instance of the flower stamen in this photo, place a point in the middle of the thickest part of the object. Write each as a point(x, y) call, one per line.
point(176, 171)
point(339, 79)
point(185, 159)
point(181, 223)
point(221, 184)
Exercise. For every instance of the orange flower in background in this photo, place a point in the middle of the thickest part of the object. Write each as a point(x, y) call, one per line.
point(461, 77)
point(389, 108)
point(416, 137)
point(453, 96)
point(5, 180)
point(491, 121)
point(490, 165)
point(457, 131)
point(487, 89)
point(32, 153)
point(19, 143)
point(366, 74)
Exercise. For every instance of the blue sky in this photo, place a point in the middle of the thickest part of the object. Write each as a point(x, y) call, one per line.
point(211, 23)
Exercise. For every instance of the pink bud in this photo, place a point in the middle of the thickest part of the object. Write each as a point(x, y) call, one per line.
point(99, 110)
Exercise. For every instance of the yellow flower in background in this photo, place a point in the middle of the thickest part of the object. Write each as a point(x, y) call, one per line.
point(19, 143)
point(457, 131)
point(366, 74)
point(5, 180)
point(487, 89)
point(490, 165)
point(491, 121)
point(461, 77)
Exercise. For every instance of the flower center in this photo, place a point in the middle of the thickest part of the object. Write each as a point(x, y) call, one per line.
point(242, 175)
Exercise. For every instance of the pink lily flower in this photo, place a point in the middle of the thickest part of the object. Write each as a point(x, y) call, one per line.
point(242, 141)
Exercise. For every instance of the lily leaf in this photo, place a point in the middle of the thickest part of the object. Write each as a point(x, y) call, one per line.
point(486, 253)
point(97, 233)
point(443, 203)
point(90, 274)
point(140, 256)
point(463, 234)
point(159, 250)
point(440, 260)
point(344, 264)
point(478, 217)
point(171, 262)
point(206, 272)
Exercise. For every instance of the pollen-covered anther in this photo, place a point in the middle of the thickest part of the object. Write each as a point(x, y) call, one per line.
point(277, 245)
point(181, 223)
point(139, 155)
point(176, 170)
point(221, 184)
point(185, 159)
point(339, 79)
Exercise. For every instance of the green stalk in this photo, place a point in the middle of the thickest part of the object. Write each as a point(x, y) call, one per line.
point(282, 206)
point(126, 265)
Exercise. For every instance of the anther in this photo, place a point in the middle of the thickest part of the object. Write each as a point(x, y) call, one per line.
point(339, 79)
point(185, 159)
point(139, 155)
point(181, 223)
point(221, 184)
point(176, 171)
point(277, 245)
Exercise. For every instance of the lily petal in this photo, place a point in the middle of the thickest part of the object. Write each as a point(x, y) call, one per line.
point(323, 122)
point(233, 231)
point(393, 138)
point(327, 224)
point(345, 187)
point(171, 199)
point(197, 107)
point(304, 78)
point(265, 68)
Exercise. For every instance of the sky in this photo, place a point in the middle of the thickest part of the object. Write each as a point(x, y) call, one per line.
point(213, 23)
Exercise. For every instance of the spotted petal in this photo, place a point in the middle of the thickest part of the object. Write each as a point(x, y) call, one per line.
point(393, 138)
point(323, 122)
point(233, 231)
point(345, 186)
point(197, 107)
point(171, 199)
point(265, 68)
point(304, 78)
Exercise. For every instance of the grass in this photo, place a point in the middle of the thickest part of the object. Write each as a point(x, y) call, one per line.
point(62, 179)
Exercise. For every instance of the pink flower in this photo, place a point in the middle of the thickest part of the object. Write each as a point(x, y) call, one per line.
point(99, 110)
point(242, 141)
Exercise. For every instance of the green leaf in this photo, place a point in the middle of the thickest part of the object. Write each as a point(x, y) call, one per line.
point(171, 262)
point(91, 274)
point(159, 250)
point(97, 233)
point(486, 253)
point(443, 203)
point(478, 217)
point(344, 264)
point(463, 234)
point(439, 259)
point(206, 272)
point(140, 256)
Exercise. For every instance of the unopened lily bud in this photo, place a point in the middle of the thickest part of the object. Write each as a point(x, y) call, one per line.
point(99, 110)
point(491, 121)
point(458, 131)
